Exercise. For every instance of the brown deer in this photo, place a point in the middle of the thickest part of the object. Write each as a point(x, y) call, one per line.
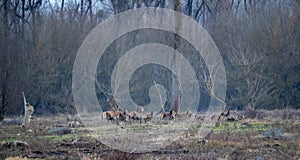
point(122, 116)
point(169, 116)
point(136, 115)
point(111, 115)
point(200, 118)
point(228, 116)
point(147, 117)
point(184, 116)
point(173, 112)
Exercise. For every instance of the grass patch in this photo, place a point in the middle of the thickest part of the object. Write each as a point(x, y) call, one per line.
point(240, 127)
point(258, 125)
point(60, 137)
point(255, 126)
point(226, 126)
point(219, 128)
point(138, 128)
point(10, 139)
point(297, 153)
point(297, 123)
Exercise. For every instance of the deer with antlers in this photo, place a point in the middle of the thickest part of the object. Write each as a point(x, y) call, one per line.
point(113, 114)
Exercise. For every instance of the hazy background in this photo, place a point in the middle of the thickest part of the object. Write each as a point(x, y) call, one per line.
point(258, 40)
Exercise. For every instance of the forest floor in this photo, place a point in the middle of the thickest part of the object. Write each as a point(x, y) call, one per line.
point(266, 138)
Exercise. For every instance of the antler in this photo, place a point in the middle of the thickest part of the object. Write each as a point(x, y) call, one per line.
point(113, 105)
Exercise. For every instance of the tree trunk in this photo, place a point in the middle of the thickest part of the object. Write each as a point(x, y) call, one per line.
point(4, 63)
point(4, 102)
point(23, 18)
point(91, 12)
point(251, 113)
point(177, 66)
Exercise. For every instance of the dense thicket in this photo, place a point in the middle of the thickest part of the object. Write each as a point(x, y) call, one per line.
point(258, 39)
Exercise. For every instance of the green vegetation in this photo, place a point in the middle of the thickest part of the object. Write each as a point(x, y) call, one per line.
point(60, 137)
point(241, 127)
point(11, 139)
point(297, 123)
point(138, 128)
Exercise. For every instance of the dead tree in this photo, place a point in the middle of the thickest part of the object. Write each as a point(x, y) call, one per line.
point(28, 112)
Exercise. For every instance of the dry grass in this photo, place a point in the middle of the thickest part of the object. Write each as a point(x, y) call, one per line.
point(231, 140)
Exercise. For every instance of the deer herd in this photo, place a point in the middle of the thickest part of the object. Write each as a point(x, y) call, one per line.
point(135, 116)
point(117, 115)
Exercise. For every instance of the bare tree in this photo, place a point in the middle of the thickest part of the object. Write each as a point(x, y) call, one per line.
point(252, 71)
point(258, 39)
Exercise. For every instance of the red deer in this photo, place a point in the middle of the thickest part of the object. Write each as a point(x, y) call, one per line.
point(173, 112)
point(241, 117)
point(184, 116)
point(200, 118)
point(215, 117)
point(136, 115)
point(147, 117)
point(74, 124)
point(169, 116)
point(222, 116)
point(111, 115)
point(122, 115)
point(228, 116)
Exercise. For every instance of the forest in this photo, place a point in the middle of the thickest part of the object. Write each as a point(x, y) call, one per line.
point(258, 41)
point(244, 87)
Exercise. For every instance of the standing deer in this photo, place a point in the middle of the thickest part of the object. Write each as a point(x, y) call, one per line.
point(113, 114)
point(122, 115)
point(136, 115)
point(227, 116)
point(147, 117)
point(184, 116)
point(169, 116)
point(200, 118)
